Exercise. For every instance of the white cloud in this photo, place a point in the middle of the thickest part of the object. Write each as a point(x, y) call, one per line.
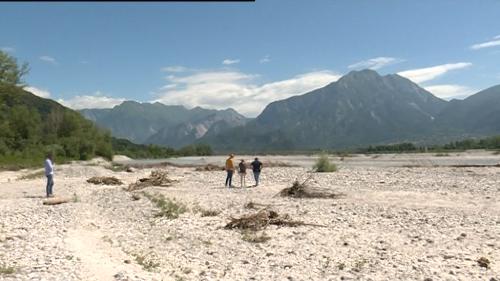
point(174, 68)
point(8, 49)
point(38, 92)
point(429, 73)
point(265, 59)
point(97, 100)
point(230, 61)
point(375, 63)
point(223, 89)
point(487, 44)
point(168, 87)
point(450, 91)
point(48, 59)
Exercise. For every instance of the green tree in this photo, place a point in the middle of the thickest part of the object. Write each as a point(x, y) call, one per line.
point(10, 72)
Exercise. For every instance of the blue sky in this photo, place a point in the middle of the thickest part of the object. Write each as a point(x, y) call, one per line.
point(245, 55)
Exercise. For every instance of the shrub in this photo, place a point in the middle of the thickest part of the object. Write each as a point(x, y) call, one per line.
point(7, 270)
point(167, 208)
point(323, 165)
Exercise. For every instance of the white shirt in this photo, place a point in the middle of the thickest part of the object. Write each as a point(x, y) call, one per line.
point(49, 167)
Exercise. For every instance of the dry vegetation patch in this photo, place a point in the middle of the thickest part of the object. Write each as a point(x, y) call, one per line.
point(483, 262)
point(262, 219)
point(156, 178)
point(146, 262)
point(105, 181)
point(303, 190)
point(7, 270)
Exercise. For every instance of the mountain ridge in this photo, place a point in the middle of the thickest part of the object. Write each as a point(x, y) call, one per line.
point(156, 123)
point(361, 108)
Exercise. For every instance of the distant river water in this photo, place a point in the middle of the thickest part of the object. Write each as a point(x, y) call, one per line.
point(472, 157)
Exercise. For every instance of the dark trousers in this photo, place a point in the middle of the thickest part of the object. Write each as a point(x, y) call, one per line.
point(50, 184)
point(229, 178)
point(256, 177)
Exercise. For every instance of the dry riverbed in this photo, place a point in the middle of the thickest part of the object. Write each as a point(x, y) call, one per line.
point(393, 223)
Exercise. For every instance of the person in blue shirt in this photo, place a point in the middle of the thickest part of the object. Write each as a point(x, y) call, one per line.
point(256, 168)
point(49, 173)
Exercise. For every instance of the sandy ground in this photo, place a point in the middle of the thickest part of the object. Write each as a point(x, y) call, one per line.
point(394, 223)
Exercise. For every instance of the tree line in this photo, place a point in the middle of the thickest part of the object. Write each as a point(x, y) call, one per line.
point(492, 143)
point(31, 126)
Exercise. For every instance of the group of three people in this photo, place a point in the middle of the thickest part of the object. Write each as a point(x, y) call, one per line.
point(242, 171)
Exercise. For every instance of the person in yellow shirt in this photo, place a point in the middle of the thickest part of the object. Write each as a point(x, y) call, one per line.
point(230, 170)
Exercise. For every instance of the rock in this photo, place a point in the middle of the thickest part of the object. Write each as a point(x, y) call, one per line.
point(483, 262)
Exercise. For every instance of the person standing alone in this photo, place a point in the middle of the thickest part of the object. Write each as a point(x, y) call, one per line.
point(256, 168)
point(49, 172)
point(229, 170)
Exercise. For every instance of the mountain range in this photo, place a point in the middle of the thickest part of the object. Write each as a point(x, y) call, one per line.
point(361, 108)
point(167, 125)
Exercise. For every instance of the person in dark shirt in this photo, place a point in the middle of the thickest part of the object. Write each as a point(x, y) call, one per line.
point(242, 170)
point(256, 168)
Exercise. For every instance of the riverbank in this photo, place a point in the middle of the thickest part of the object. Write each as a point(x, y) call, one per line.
point(393, 223)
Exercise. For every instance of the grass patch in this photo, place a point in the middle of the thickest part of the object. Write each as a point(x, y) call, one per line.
point(167, 208)
point(441, 154)
point(32, 176)
point(7, 270)
point(323, 165)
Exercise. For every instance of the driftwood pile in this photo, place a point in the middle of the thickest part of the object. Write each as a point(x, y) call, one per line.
point(304, 190)
point(156, 178)
point(262, 219)
point(105, 180)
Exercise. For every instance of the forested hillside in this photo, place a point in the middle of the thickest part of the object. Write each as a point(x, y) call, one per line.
point(31, 126)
